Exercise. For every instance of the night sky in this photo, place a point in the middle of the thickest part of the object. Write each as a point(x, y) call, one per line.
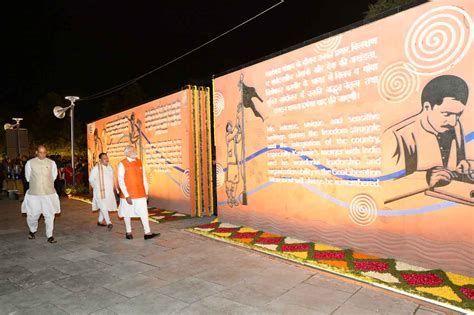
point(83, 47)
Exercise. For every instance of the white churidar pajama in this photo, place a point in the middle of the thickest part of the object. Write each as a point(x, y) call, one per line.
point(102, 180)
point(138, 208)
point(41, 198)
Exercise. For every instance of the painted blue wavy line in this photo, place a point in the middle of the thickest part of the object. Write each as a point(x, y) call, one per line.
point(173, 179)
point(394, 175)
point(401, 173)
point(167, 162)
point(256, 189)
point(381, 213)
point(384, 213)
point(435, 207)
point(469, 137)
point(326, 196)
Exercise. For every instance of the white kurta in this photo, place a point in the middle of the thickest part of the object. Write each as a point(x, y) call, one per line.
point(103, 194)
point(139, 207)
point(47, 205)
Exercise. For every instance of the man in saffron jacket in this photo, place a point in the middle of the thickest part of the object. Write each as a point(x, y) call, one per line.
point(134, 193)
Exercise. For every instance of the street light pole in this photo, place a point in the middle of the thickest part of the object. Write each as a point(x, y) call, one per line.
point(17, 120)
point(71, 113)
point(60, 112)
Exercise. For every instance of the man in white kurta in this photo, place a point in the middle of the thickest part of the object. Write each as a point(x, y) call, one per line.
point(134, 193)
point(102, 181)
point(41, 197)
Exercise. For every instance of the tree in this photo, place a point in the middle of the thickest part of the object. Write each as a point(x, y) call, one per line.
point(383, 5)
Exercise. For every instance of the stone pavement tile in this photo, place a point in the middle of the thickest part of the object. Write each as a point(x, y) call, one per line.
point(104, 311)
point(175, 272)
point(14, 236)
point(87, 281)
point(42, 309)
point(259, 284)
point(149, 303)
point(7, 287)
point(34, 279)
point(46, 250)
point(5, 231)
point(126, 269)
point(315, 298)
point(258, 262)
point(15, 260)
point(72, 246)
point(379, 302)
point(218, 305)
point(82, 255)
point(354, 309)
point(135, 285)
point(45, 293)
point(226, 275)
point(89, 301)
point(329, 282)
point(112, 248)
point(83, 266)
point(196, 251)
point(248, 296)
point(117, 258)
point(6, 308)
point(147, 250)
point(282, 277)
point(163, 259)
point(280, 307)
point(174, 243)
point(425, 311)
point(13, 272)
point(190, 290)
point(38, 264)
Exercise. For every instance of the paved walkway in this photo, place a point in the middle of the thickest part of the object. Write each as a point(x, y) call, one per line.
point(92, 271)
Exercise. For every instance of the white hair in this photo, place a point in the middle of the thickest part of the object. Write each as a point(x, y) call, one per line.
point(127, 149)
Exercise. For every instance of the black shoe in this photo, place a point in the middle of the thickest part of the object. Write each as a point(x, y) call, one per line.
point(52, 240)
point(32, 235)
point(109, 227)
point(101, 224)
point(129, 236)
point(150, 236)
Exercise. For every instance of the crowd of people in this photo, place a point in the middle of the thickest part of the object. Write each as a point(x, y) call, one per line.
point(14, 169)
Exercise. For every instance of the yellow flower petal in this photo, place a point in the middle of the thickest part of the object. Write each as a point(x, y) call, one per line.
point(444, 292)
point(247, 230)
point(302, 255)
point(459, 279)
point(223, 234)
point(325, 247)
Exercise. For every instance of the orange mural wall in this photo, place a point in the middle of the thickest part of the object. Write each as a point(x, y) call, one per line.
point(164, 133)
point(362, 140)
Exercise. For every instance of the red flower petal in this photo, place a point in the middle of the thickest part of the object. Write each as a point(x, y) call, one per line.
point(371, 266)
point(245, 235)
point(225, 230)
point(422, 279)
point(468, 292)
point(208, 226)
point(272, 240)
point(295, 247)
point(330, 255)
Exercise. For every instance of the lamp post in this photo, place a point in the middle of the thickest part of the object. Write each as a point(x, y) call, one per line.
point(60, 112)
